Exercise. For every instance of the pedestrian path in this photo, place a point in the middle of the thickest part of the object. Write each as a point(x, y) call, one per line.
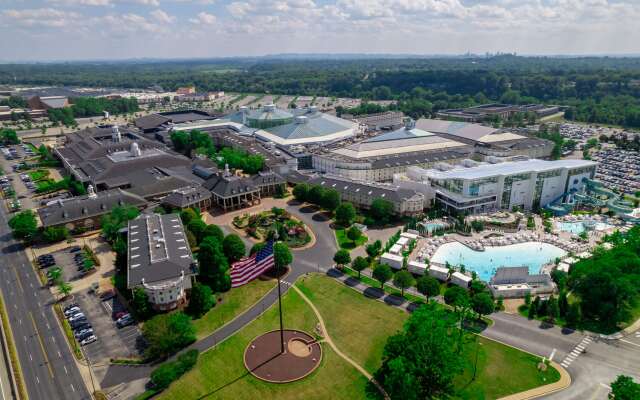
point(577, 350)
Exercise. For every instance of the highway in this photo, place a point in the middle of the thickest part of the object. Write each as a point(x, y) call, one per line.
point(48, 367)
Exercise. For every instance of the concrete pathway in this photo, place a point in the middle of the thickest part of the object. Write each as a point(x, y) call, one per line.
point(327, 338)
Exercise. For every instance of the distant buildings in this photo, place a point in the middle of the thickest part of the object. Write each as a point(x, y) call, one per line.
point(48, 102)
point(186, 90)
point(378, 122)
point(159, 259)
point(503, 111)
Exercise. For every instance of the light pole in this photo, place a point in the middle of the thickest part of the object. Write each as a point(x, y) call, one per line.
point(278, 271)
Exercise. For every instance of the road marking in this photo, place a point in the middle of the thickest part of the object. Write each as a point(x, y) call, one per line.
point(46, 358)
point(605, 386)
point(25, 338)
point(60, 355)
point(19, 280)
point(30, 284)
point(48, 327)
point(20, 321)
point(53, 339)
point(30, 358)
point(38, 304)
point(631, 343)
point(575, 352)
point(65, 368)
point(72, 388)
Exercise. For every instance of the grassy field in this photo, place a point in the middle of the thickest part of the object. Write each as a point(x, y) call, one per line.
point(365, 325)
point(231, 304)
point(220, 372)
point(345, 243)
point(359, 327)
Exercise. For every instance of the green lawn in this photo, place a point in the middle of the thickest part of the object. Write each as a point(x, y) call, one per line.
point(220, 372)
point(345, 243)
point(232, 303)
point(365, 325)
point(38, 175)
point(360, 327)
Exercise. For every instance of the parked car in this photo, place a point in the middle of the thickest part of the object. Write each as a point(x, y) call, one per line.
point(72, 311)
point(119, 314)
point(80, 332)
point(75, 249)
point(76, 317)
point(85, 335)
point(88, 340)
point(125, 321)
point(70, 305)
point(108, 295)
point(80, 325)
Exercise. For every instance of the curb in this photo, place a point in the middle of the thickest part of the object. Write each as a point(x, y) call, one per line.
point(7, 357)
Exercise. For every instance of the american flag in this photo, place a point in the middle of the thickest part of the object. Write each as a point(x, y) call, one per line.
point(246, 270)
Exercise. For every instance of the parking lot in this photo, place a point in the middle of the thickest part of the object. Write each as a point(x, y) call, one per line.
point(113, 342)
point(66, 261)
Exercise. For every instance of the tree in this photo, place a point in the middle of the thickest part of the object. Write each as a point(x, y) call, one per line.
point(382, 273)
point(24, 225)
point(316, 193)
point(53, 234)
point(359, 264)
point(64, 288)
point(382, 210)
point(117, 219)
point(457, 297)
point(330, 199)
point(482, 304)
point(140, 303)
point(342, 257)
point(354, 233)
point(420, 362)
point(345, 214)
point(624, 388)
point(373, 249)
point(428, 286)
point(213, 231)
point(527, 299)
point(301, 192)
point(574, 315)
point(282, 256)
point(233, 247)
point(55, 274)
point(403, 280)
point(553, 311)
point(214, 265)
point(187, 215)
point(167, 333)
point(200, 301)
point(197, 227)
point(256, 248)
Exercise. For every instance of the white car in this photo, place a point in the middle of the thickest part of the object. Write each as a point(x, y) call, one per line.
point(72, 311)
point(88, 340)
point(76, 317)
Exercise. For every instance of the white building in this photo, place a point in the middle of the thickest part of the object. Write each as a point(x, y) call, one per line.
point(483, 187)
point(393, 260)
point(460, 279)
point(417, 268)
point(440, 273)
point(159, 259)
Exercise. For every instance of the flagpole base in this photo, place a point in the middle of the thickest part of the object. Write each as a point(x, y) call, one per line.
point(264, 360)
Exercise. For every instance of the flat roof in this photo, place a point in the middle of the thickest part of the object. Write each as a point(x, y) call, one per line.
point(508, 168)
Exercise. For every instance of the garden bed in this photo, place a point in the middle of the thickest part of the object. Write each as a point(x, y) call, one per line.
point(262, 226)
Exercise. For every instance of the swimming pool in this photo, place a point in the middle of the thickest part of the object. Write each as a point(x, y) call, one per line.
point(577, 227)
point(530, 254)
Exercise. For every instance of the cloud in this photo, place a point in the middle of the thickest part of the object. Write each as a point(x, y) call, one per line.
point(111, 3)
point(43, 17)
point(204, 18)
point(162, 16)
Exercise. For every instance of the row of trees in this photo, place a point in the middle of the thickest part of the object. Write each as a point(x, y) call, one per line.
point(380, 212)
point(24, 226)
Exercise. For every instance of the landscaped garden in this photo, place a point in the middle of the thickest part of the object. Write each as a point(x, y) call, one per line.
point(262, 226)
point(360, 327)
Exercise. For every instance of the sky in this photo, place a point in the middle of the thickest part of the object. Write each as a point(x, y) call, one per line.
point(46, 30)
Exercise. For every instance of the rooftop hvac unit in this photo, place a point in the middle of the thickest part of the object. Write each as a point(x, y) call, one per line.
point(442, 166)
point(313, 109)
point(269, 107)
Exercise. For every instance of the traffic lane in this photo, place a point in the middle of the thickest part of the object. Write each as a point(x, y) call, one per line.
point(31, 298)
point(532, 336)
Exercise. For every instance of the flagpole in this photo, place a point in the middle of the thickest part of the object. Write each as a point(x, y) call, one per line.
point(275, 237)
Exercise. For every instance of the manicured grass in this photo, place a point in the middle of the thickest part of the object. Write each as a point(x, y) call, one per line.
point(345, 243)
point(387, 288)
point(233, 303)
point(220, 372)
point(502, 370)
point(38, 175)
point(360, 331)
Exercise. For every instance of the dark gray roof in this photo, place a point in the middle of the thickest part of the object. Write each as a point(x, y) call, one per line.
point(229, 186)
point(154, 121)
point(518, 275)
point(186, 196)
point(158, 250)
point(264, 178)
point(78, 208)
point(151, 121)
point(458, 129)
point(343, 185)
point(420, 157)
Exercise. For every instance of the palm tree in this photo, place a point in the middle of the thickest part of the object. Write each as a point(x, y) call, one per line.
point(55, 274)
point(64, 288)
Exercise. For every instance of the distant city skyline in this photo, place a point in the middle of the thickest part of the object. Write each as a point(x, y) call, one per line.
point(46, 30)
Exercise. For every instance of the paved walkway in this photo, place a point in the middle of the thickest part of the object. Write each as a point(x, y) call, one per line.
point(327, 338)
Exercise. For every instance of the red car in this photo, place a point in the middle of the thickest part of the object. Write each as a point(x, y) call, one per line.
point(119, 314)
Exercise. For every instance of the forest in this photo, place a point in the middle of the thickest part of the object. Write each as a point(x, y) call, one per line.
point(595, 89)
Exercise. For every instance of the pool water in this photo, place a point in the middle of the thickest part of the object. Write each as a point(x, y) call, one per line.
point(578, 227)
point(529, 254)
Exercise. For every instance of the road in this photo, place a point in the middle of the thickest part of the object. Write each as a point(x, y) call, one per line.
point(48, 367)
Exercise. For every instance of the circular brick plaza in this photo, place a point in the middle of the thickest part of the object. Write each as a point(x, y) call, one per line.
point(263, 359)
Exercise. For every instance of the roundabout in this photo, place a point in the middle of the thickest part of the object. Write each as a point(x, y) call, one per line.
point(264, 360)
